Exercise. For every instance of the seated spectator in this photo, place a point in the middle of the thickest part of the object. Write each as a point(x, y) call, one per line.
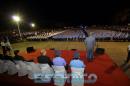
point(8, 57)
point(58, 60)
point(17, 57)
point(76, 62)
point(31, 54)
point(30, 49)
point(43, 59)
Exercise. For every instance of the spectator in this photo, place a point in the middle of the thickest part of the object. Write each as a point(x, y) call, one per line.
point(58, 60)
point(76, 62)
point(43, 59)
point(17, 57)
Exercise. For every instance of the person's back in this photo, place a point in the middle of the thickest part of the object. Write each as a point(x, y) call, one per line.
point(17, 57)
point(76, 62)
point(59, 61)
point(90, 42)
point(43, 59)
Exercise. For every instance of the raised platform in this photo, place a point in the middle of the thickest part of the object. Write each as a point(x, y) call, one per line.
point(109, 74)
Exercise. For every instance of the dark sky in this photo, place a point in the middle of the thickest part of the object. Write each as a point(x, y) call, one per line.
point(69, 12)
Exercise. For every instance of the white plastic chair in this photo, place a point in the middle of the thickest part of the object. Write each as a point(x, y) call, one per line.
point(4, 66)
point(12, 69)
point(46, 68)
point(21, 67)
point(77, 75)
point(59, 76)
point(47, 72)
point(1, 66)
point(32, 69)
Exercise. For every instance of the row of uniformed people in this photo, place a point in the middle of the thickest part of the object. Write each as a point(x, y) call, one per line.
point(70, 35)
point(77, 34)
point(42, 36)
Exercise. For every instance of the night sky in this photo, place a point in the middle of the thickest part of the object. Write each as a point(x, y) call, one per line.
point(64, 12)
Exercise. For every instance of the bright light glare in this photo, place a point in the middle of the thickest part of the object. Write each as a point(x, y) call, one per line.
point(32, 24)
point(16, 18)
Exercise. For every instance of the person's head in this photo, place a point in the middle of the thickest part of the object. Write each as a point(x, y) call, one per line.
point(30, 49)
point(57, 53)
point(90, 33)
point(16, 52)
point(76, 55)
point(43, 52)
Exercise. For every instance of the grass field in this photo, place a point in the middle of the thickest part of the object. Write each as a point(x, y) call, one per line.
point(116, 50)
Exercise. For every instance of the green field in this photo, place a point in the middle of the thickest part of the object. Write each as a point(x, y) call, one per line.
point(116, 50)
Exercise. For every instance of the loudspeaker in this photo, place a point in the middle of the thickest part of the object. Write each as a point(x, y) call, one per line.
point(30, 49)
point(100, 51)
point(73, 49)
point(52, 48)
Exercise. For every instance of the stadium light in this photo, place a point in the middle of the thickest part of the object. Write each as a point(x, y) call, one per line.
point(32, 25)
point(17, 19)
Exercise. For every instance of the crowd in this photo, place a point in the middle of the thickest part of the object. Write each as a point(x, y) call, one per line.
point(69, 35)
point(73, 34)
point(104, 35)
point(43, 36)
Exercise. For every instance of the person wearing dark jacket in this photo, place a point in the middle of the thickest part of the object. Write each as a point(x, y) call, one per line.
point(43, 59)
point(17, 57)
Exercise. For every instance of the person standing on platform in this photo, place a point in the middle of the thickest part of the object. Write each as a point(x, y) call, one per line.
point(90, 42)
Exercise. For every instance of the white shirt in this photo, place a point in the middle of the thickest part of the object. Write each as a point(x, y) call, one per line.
point(2, 44)
point(129, 47)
